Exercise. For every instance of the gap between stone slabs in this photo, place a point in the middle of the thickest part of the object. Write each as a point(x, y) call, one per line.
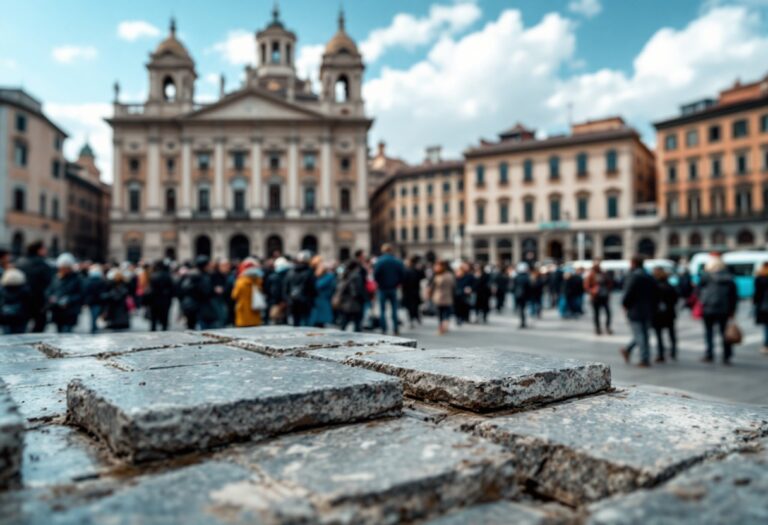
point(11, 440)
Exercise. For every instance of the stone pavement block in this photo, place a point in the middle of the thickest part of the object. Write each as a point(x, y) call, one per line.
point(380, 472)
point(586, 449)
point(257, 331)
point(57, 455)
point(730, 491)
point(481, 379)
point(180, 356)
point(156, 413)
point(18, 352)
point(11, 440)
point(506, 513)
point(26, 339)
point(80, 345)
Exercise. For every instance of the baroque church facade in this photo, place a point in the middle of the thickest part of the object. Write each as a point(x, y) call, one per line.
point(271, 167)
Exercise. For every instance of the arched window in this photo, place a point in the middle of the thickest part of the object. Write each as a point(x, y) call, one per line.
point(673, 240)
point(530, 249)
point(718, 238)
point(170, 253)
point(239, 247)
point(344, 254)
point(169, 90)
point(341, 89)
point(170, 200)
point(309, 199)
point(203, 245)
point(309, 242)
point(481, 250)
point(19, 199)
point(133, 251)
point(274, 246)
point(646, 247)
point(694, 240)
point(345, 198)
point(17, 244)
point(612, 247)
point(745, 238)
point(275, 52)
point(504, 248)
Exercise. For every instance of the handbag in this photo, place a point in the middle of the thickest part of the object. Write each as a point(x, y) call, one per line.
point(258, 301)
point(733, 334)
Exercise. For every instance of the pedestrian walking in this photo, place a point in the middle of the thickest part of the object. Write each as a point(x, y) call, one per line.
point(277, 304)
point(196, 292)
point(537, 294)
point(412, 278)
point(501, 286)
point(221, 292)
point(95, 287)
point(159, 296)
point(441, 294)
point(350, 296)
point(639, 302)
point(719, 299)
point(300, 291)
point(247, 294)
point(15, 301)
point(760, 301)
point(65, 295)
point(482, 294)
point(388, 272)
point(325, 285)
point(118, 302)
point(599, 285)
point(39, 276)
point(463, 296)
point(521, 288)
point(665, 315)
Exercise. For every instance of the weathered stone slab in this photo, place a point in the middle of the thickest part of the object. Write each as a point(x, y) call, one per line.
point(383, 472)
point(480, 379)
point(281, 343)
point(185, 496)
point(157, 413)
point(80, 345)
point(17, 352)
point(28, 339)
point(180, 356)
point(730, 491)
point(587, 449)
point(257, 331)
point(506, 513)
point(57, 455)
point(11, 440)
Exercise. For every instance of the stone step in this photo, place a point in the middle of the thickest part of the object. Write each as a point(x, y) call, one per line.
point(587, 449)
point(157, 413)
point(478, 379)
point(506, 513)
point(192, 355)
point(730, 491)
point(82, 345)
point(11, 441)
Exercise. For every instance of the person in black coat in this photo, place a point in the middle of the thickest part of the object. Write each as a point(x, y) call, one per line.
point(665, 314)
point(15, 304)
point(501, 287)
point(482, 294)
point(719, 299)
point(117, 313)
point(299, 289)
point(195, 294)
point(760, 301)
point(464, 294)
point(159, 297)
point(412, 278)
point(66, 294)
point(639, 302)
point(95, 288)
point(521, 289)
point(39, 276)
point(350, 297)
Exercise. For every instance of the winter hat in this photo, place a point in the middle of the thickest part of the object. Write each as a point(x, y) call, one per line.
point(65, 260)
point(281, 264)
point(522, 267)
point(248, 262)
point(95, 271)
point(13, 277)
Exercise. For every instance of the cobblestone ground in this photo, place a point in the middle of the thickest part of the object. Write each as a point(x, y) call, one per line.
point(552, 336)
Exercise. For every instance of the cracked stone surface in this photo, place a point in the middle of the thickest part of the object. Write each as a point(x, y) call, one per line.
point(15, 353)
point(174, 357)
point(155, 413)
point(11, 440)
point(27, 339)
point(506, 513)
point(729, 491)
point(80, 345)
point(586, 449)
point(480, 379)
point(380, 472)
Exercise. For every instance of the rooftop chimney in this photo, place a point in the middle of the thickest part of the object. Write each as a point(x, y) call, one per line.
point(433, 154)
point(381, 149)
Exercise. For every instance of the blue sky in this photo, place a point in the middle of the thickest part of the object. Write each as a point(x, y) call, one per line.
point(440, 71)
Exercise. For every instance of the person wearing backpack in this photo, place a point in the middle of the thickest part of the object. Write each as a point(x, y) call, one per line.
point(247, 294)
point(719, 299)
point(300, 289)
point(760, 300)
point(350, 296)
point(325, 284)
point(521, 289)
point(159, 296)
point(598, 285)
point(117, 302)
point(665, 314)
point(196, 292)
point(15, 302)
point(66, 295)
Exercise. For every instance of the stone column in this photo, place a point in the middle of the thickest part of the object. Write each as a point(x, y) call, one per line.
point(293, 177)
point(219, 212)
point(185, 210)
point(517, 248)
point(153, 178)
point(362, 178)
point(185, 245)
point(493, 252)
point(257, 207)
point(628, 248)
point(117, 204)
point(326, 175)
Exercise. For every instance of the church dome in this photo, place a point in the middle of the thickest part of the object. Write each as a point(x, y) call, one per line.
point(86, 151)
point(172, 46)
point(341, 42)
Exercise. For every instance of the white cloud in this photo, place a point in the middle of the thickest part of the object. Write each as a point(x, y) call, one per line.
point(238, 48)
point(69, 54)
point(408, 31)
point(308, 63)
point(674, 67)
point(478, 84)
point(132, 30)
point(85, 121)
point(587, 8)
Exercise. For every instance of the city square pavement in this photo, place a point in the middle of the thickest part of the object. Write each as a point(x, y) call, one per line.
point(746, 381)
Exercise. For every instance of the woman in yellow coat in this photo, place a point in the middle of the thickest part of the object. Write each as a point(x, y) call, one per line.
point(249, 275)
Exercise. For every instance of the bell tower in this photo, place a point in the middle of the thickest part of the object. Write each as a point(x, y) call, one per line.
point(341, 74)
point(171, 76)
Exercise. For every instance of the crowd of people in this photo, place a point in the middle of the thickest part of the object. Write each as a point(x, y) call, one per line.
point(364, 293)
